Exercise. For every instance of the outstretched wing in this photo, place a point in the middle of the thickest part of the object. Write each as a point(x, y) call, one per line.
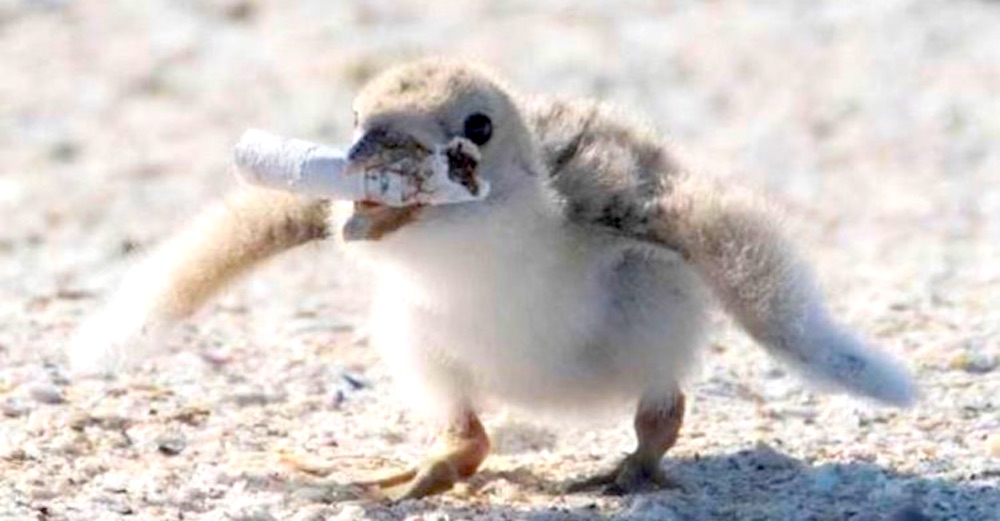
point(620, 176)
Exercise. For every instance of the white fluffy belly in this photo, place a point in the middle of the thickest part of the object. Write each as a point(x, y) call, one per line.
point(593, 330)
point(527, 312)
point(508, 327)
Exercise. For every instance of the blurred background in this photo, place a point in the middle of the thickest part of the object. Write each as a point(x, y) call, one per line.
point(875, 125)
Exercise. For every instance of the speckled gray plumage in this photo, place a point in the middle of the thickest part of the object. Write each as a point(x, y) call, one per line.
point(609, 170)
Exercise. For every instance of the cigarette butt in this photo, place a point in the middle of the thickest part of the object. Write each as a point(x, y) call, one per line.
point(307, 168)
point(295, 165)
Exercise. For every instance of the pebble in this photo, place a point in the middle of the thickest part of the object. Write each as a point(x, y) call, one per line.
point(338, 398)
point(118, 507)
point(14, 408)
point(350, 512)
point(312, 494)
point(974, 362)
point(499, 488)
point(108, 421)
point(252, 514)
point(116, 483)
point(763, 457)
point(15, 454)
point(313, 513)
point(192, 415)
point(171, 445)
point(55, 373)
point(217, 357)
point(250, 398)
point(43, 493)
point(354, 381)
point(347, 384)
point(47, 393)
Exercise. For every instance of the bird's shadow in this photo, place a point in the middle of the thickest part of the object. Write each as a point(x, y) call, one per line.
point(754, 484)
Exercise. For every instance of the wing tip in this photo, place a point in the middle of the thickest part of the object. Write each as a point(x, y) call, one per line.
point(836, 356)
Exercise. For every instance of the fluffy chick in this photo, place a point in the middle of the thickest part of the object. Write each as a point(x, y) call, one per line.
point(580, 282)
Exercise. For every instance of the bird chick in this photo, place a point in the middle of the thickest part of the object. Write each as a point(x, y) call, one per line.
point(580, 282)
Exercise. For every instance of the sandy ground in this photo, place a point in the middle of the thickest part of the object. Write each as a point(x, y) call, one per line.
point(875, 124)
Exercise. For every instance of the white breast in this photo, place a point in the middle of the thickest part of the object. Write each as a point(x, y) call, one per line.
point(513, 305)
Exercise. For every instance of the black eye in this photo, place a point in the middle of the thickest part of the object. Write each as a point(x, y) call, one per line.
point(478, 128)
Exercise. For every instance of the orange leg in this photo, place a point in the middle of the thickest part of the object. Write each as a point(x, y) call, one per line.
point(456, 456)
point(657, 424)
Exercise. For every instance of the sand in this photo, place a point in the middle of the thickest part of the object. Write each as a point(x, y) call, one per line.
point(874, 125)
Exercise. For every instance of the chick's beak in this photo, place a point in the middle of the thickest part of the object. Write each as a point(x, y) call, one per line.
point(380, 147)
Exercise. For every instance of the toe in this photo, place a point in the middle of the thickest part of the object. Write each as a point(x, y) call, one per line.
point(630, 476)
point(391, 480)
point(636, 477)
point(599, 481)
point(434, 478)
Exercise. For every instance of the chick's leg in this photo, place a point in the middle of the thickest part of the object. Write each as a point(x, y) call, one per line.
point(456, 455)
point(657, 423)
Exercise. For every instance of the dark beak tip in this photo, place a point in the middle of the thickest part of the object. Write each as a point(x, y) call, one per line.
point(366, 144)
point(359, 150)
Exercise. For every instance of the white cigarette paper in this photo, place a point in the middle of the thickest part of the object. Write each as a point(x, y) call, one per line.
point(299, 166)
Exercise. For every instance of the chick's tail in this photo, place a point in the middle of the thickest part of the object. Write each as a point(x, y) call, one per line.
point(175, 279)
point(735, 245)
